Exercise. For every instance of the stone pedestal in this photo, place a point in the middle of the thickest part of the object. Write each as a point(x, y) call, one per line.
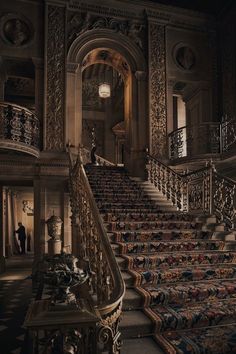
point(54, 247)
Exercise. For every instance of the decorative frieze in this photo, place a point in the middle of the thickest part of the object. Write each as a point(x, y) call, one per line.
point(55, 79)
point(157, 89)
point(82, 22)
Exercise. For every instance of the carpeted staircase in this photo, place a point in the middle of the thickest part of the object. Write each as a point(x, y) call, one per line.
point(180, 274)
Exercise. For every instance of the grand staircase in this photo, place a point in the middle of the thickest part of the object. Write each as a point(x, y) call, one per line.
point(180, 272)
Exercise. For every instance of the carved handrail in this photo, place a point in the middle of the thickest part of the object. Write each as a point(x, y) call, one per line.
point(201, 191)
point(91, 245)
point(19, 129)
point(101, 161)
point(204, 138)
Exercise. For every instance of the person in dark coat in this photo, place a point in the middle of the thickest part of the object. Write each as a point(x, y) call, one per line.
point(21, 237)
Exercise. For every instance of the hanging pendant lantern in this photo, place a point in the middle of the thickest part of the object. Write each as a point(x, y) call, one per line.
point(104, 90)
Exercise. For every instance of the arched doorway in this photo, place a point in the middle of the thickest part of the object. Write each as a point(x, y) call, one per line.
point(100, 114)
point(125, 56)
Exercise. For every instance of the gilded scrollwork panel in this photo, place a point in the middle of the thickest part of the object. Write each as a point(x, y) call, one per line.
point(55, 78)
point(157, 74)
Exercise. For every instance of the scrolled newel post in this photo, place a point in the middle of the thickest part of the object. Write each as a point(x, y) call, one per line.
point(54, 225)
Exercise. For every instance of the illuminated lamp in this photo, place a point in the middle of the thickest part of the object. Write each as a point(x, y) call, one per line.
point(104, 90)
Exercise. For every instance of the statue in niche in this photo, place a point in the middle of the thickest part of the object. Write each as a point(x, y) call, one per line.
point(16, 31)
point(185, 58)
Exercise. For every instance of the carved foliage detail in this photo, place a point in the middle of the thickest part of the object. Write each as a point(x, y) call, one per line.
point(157, 75)
point(55, 78)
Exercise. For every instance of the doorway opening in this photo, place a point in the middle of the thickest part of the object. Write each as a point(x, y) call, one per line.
point(18, 209)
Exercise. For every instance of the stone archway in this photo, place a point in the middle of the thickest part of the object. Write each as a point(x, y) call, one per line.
point(136, 93)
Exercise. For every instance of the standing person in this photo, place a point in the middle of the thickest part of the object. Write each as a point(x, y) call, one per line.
point(21, 237)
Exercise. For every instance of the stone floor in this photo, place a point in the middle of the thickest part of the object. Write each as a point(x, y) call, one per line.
point(15, 295)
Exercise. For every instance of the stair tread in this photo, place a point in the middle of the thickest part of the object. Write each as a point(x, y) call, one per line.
point(140, 346)
point(131, 294)
point(137, 317)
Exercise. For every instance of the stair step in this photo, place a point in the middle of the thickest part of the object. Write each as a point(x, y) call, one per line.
point(140, 346)
point(121, 262)
point(224, 235)
point(128, 279)
point(135, 324)
point(132, 300)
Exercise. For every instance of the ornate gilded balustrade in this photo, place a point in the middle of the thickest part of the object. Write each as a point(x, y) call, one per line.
point(228, 134)
point(91, 245)
point(202, 192)
point(167, 181)
point(224, 199)
point(19, 129)
point(205, 138)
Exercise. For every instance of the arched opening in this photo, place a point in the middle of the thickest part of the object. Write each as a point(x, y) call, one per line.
point(101, 114)
point(117, 51)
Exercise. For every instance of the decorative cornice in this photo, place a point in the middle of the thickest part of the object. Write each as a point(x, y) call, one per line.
point(101, 10)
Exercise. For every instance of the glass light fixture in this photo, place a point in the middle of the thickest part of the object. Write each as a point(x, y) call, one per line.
point(104, 90)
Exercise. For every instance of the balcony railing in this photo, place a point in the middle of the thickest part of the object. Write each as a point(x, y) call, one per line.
point(205, 138)
point(19, 129)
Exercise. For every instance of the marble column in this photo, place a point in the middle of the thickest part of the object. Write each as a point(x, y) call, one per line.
point(39, 218)
point(73, 122)
point(136, 123)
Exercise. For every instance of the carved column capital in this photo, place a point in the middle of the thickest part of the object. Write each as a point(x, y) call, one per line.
point(141, 75)
point(38, 63)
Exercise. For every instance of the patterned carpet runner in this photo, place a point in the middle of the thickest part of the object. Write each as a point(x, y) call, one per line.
point(186, 278)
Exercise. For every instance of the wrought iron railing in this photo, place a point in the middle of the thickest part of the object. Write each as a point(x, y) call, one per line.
point(91, 244)
point(202, 192)
point(205, 138)
point(19, 129)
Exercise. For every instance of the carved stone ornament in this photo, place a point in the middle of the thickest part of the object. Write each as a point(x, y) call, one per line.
point(28, 207)
point(63, 277)
point(157, 74)
point(54, 224)
point(55, 79)
point(184, 57)
point(82, 22)
point(16, 30)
